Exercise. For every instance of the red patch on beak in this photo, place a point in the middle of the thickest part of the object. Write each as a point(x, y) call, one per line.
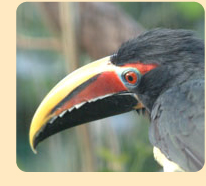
point(106, 83)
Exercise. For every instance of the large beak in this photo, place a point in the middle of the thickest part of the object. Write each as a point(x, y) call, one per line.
point(92, 92)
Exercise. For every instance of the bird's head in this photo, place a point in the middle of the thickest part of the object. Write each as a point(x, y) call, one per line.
point(130, 79)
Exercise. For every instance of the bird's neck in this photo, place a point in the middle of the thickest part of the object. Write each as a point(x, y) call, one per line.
point(157, 81)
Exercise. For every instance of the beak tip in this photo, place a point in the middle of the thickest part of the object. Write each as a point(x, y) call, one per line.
point(32, 145)
point(33, 149)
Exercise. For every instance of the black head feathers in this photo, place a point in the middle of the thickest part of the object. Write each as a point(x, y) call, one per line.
point(160, 46)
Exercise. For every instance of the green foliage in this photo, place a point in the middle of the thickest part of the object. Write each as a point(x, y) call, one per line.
point(190, 10)
point(186, 15)
point(110, 158)
point(29, 21)
point(136, 152)
point(107, 155)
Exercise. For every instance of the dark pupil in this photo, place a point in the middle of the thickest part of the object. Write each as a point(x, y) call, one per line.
point(130, 78)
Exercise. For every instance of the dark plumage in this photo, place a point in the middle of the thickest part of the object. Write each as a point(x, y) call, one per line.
point(173, 93)
point(177, 124)
point(161, 46)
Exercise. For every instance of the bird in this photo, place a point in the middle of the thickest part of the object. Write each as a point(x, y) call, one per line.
point(160, 71)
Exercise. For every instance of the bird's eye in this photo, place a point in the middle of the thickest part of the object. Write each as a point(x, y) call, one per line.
point(131, 77)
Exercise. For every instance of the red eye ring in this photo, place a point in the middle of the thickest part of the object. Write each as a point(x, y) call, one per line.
point(131, 77)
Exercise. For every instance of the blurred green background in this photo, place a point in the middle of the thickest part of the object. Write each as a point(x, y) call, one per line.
point(52, 40)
